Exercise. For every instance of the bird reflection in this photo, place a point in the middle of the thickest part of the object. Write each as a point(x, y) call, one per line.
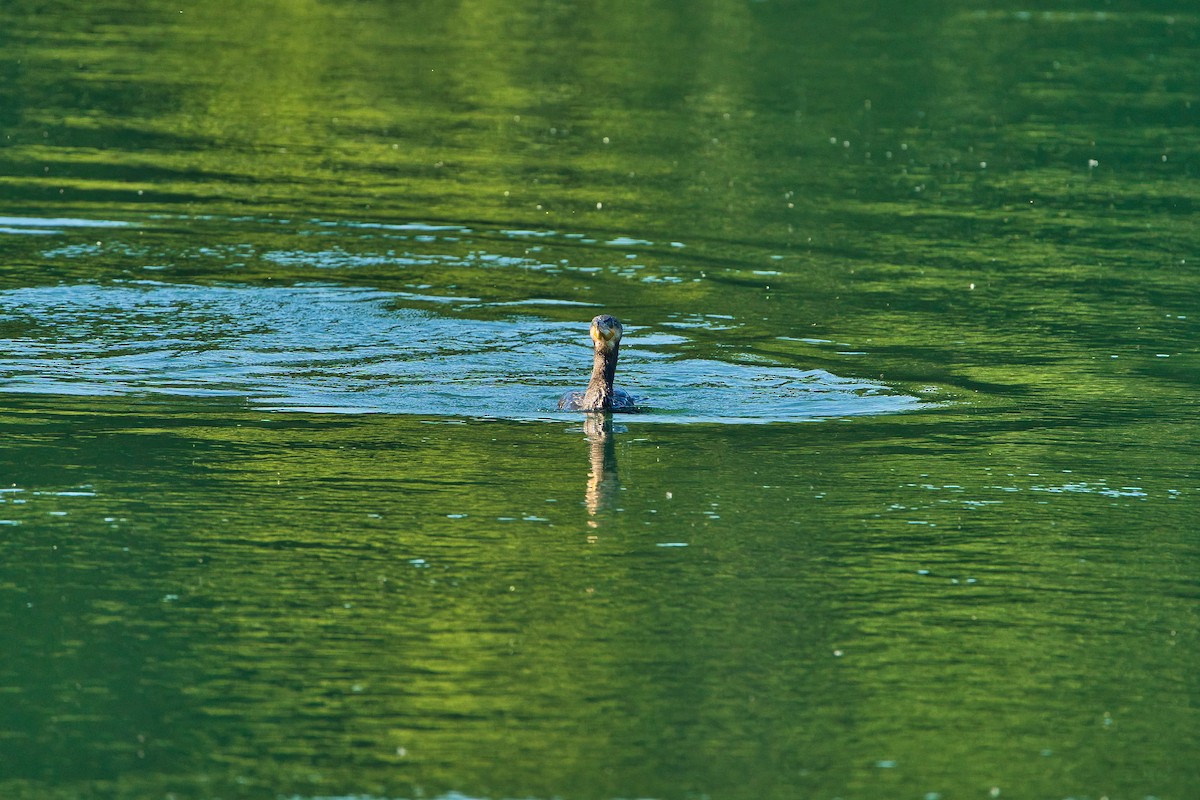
point(603, 481)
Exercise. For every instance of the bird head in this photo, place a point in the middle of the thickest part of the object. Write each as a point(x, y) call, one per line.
point(606, 332)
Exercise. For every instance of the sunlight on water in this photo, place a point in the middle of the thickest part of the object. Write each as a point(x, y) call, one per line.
point(340, 349)
point(42, 226)
point(438, 340)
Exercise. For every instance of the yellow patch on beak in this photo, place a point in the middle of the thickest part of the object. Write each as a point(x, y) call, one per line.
point(603, 335)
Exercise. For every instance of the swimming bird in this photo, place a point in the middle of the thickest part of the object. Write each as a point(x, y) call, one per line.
point(600, 394)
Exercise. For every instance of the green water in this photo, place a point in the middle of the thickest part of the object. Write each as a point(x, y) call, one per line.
point(288, 292)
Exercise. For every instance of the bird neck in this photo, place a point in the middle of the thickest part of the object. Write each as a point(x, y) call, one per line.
point(598, 396)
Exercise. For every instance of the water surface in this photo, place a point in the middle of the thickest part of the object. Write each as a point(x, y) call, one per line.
point(322, 346)
point(288, 294)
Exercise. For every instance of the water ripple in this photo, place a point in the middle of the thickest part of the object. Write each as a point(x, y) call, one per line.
point(341, 349)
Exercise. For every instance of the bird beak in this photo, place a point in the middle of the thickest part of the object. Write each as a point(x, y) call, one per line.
point(603, 334)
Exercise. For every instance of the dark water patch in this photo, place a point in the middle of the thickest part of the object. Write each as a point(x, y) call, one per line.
point(404, 594)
